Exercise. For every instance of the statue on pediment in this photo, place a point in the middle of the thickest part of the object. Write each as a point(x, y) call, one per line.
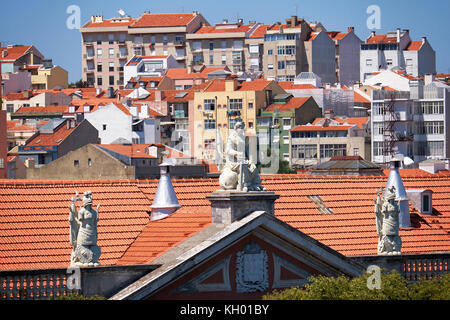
point(239, 173)
point(83, 232)
point(387, 211)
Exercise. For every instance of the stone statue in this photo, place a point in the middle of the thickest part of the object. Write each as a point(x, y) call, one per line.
point(83, 232)
point(387, 211)
point(238, 173)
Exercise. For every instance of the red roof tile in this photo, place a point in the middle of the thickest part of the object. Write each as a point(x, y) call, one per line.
point(49, 109)
point(414, 46)
point(163, 20)
point(214, 29)
point(293, 103)
point(358, 98)
point(14, 53)
point(34, 229)
point(288, 85)
point(51, 139)
point(320, 128)
point(260, 31)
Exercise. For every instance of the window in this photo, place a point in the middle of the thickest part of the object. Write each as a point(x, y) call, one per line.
point(250, 124)
point(378, 128)
point(10, 108)
point(224, 59)
point(378, 148)
point(111, 38)
point(281, 65)
point(76, 163)
point(356, 151)
point(196, 45)
point(99, 39)
point(224, 44)
point(238, 44)
point(285, 139)
point(426, 203)
point(435, 148)
point(211, 46)
point(153, 40)
point(332, 150)
point(165, 40)
point(210, 144)
point(276, 121)
point(99, 53)
point(111, 52)
point(111, 66)
point(138, 51)
point(389, 62)
point(111, 80)
point(100, 81)
point(431, 107)
point(235, 104)
point(286, 124)
point(270, 66)
point(209, 104)
point(211, 59)
point(99, 67)
point(285, 50)
point(409, 62)
point(291, 64)
point(304, 151)
point(210, 124)
point(234, 121)
point(90, 162)
point(104, 127)
point(270, 52)
point(250, 105)
point(368, 62)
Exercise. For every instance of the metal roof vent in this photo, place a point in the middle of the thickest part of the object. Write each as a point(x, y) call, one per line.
point(395, 180)
point(165, 202)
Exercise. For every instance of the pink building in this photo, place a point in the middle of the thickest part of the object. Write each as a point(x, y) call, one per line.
point(3, 146)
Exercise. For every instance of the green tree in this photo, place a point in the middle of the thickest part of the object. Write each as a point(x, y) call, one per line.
point(393, 287)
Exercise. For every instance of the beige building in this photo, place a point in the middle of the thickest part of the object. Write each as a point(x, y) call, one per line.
point(221, 104)
point(329, 137)
point(109, 44)
point(48, 76)
point(221, 45)
point(284, 55)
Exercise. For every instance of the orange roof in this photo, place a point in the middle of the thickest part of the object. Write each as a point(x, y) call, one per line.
point(17, 126)
point(336, 35)
point(359, 121)
point(130, 150)
point(51, 139)
point(49, 109)
point(14, 53)
point(414, 46)
point(320, 128)
point(163, 20)
point(182, 73)
point(358, 98)
point(381, 38)
point(255, 85)
point(111, 23)
point(34, 228)
point(293, 103)
point(260, 31)
point(19, 95)
point(288, 85)
point(312, 36)
point(214, 29)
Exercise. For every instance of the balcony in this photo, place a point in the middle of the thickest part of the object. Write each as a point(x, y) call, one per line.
point(121, 43)
point(121, 56)
point(89, 44)
point(180, 57)
point(89, 70)
point(179, 43)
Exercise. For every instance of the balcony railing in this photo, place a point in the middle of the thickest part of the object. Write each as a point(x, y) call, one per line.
point(34, 284)
point(179, 43)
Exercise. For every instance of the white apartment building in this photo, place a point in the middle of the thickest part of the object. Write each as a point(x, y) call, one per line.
point(149, 66)
point(396, 50)
point(414, 123)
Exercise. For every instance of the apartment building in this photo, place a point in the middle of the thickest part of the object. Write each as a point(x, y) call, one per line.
point(413, 123)
point(221, 104)
point(347, 46)
point(221, 45)
point(284, 55)
point(396, 50)
point(329, 137)
point(48, 76)
point(148, 66)
point(109, 44)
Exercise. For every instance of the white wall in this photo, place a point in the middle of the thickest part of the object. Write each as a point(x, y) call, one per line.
point(118, 124)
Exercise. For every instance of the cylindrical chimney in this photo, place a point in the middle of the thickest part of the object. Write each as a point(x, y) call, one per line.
point(165, 202)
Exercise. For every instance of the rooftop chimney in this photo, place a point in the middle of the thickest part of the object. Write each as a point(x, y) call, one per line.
point(424, 39)
point(398, 35)
point(395, 180)
point(230, 84)
point(110, 92)
point(329, 114)
point(165, 202)
point(429, 78)
point(351, 29)
point(4, 53)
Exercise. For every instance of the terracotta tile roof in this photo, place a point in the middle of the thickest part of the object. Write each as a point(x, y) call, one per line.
point(387, 88)
point(414, 46)
point(53, 139)
point(214, 29)
point(320, 128)
point(111, 23)
point(293, 103)
point(49, 109)
point(17, 126)
point(171, 95)
point(288, 85)
point(358, 98)
point(182, 73)
point(359, 121)
point(260, 31)
point(130, 150)
point(163, 20)
point(312, 36)
point(255, 85)
point(19, 95)
point(34, 229)
point(381, 38)
point(14, 53)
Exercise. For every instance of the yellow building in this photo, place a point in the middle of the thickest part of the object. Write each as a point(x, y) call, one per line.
point(48, 76)
point(221, 104)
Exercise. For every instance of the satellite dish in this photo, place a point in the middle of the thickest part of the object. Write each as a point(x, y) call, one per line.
point(408, 161)
point(121, 13)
